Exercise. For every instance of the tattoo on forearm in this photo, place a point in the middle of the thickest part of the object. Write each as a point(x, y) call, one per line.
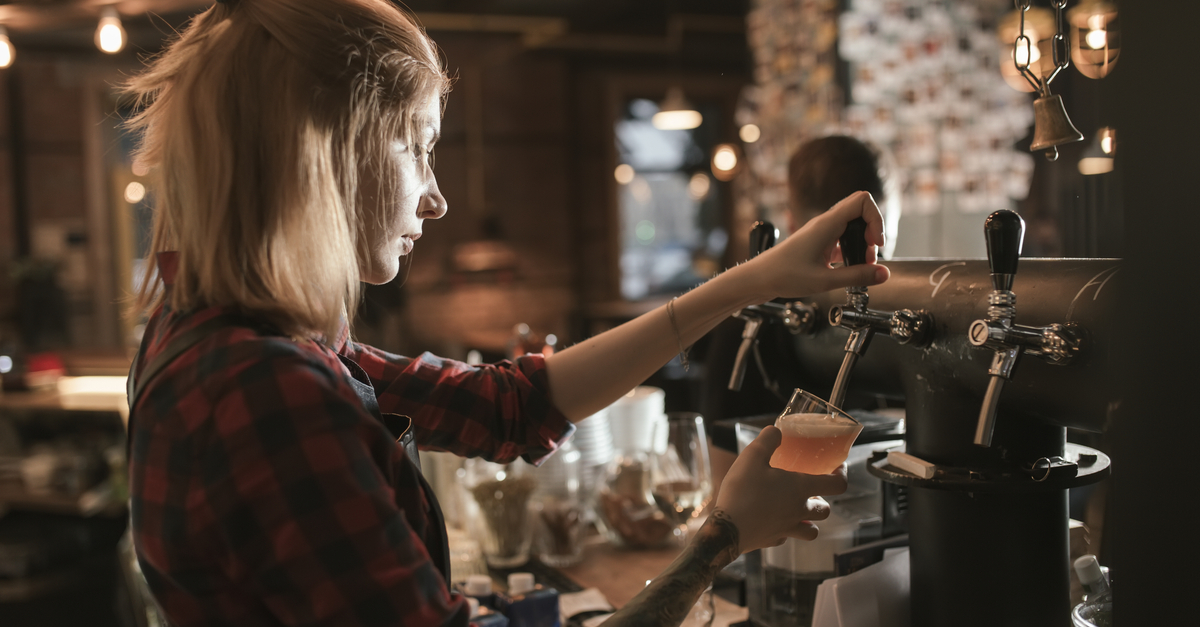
point(667, 599)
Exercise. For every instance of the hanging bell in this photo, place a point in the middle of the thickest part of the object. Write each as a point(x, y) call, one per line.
point(1051, 126)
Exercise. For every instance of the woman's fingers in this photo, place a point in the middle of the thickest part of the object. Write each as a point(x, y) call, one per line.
point(832, 223)
point(804, 531)
point(816, 509)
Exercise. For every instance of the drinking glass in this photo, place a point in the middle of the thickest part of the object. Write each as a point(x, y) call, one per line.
point(681, 476)
point(816, 435)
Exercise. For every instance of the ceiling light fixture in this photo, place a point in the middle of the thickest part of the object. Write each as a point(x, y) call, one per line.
point(110, 35)
point(8, 54)
point(675, 113)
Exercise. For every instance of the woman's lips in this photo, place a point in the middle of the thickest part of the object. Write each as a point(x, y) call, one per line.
point(407, 242)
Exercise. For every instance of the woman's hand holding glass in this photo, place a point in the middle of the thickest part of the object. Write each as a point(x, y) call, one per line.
point(769, 505)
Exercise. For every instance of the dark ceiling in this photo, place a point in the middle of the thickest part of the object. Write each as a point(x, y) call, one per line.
point(712, 32)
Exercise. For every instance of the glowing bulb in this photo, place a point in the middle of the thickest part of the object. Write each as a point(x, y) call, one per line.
point(7, 53)
point(725, 159)
point(1095, 22)
point(680, 120)
point(750, 133)
point(134, 192)
point(1108, 140)
point(110, 35)
point(1096, 39)
point(624, 174)
point(699, 185)
point(1027, 55)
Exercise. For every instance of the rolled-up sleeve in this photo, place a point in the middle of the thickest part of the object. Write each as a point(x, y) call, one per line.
point(496, 411)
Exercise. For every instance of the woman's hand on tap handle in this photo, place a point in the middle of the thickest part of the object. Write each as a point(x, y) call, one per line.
point(802, 264)
point(769, 505)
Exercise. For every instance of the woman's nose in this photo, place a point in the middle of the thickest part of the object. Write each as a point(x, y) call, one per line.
point(433, 204)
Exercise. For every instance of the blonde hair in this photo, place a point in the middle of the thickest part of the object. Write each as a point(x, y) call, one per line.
point(256, 125)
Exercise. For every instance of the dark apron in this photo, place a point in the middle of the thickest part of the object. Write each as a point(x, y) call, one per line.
point(436, 542)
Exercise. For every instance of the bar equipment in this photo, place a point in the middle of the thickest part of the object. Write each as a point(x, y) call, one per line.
point(796, 316)
point(906, 326)
point(988, 525)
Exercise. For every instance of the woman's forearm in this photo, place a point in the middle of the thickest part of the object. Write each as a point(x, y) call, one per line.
point(592, 374)
point(666, 600)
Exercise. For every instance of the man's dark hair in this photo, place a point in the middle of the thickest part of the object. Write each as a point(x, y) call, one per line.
point(827, 169)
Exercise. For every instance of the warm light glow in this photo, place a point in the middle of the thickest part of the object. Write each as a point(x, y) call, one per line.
point(140, 169)
point(624, 173)
point(725, 159)
point(699, 185)
point(134, 192)
point(675, 113)
point(678, 120)
point(1095, 165)
point(7, 53)
point(750, 133)
point(1031, 51)
point(110, 35)
point(1108, 140)
point(1096, 39)
point(1095, 22)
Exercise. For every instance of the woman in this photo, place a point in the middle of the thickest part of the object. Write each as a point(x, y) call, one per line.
point(290, 143)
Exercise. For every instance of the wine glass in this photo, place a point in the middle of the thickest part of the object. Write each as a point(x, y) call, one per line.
point(681, 476)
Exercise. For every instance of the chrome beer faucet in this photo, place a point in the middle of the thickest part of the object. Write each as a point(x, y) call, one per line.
point(1056, 343)
point(906, 326)
point(796, 316)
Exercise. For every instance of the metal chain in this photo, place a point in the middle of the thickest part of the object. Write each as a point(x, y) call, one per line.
point(1060, 47)
point(1023, 68)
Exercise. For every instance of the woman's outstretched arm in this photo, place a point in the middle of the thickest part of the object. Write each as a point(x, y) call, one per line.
point(592, 374)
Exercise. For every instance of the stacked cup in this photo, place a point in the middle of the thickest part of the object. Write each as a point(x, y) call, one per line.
point(638, 421)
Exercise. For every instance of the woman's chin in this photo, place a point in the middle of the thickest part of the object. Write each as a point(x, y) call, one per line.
point(382, 271)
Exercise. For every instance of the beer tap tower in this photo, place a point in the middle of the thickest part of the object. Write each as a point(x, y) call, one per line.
point(987, 515)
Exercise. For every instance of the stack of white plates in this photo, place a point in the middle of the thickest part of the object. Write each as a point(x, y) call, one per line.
point(638, 421)
point(594, 441)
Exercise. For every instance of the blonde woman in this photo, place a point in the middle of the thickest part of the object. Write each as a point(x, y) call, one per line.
point(272, 458)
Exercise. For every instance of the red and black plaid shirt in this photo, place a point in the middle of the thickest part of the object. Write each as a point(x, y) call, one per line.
point(263, 493)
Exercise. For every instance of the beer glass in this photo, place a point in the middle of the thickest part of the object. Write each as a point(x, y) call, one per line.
point(816, 435)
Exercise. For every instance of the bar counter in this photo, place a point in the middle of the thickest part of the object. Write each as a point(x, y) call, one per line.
point(620, 573)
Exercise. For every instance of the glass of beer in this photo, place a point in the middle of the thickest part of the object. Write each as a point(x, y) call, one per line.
point(816, 435)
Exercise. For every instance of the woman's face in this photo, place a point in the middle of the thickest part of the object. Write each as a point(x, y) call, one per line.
point(394, 217)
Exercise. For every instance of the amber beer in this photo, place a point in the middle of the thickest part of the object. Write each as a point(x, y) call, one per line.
point(814, 444)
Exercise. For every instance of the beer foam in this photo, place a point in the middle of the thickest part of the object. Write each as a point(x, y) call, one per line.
point(815, 426)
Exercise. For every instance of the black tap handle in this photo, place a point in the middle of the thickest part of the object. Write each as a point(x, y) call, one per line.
point(1005, 232)
point(854, 243)
point(762, 237)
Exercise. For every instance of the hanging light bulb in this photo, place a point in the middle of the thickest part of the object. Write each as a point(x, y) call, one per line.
point(725, 162)
point(110, 35)
point(1039, 28)
point(1095, 37)
point(676, 114)
point(1098, 156)
point(8, 54)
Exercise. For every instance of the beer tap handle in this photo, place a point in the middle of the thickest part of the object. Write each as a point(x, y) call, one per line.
point(762, 237)
point(854, 243)
point(1004, 232)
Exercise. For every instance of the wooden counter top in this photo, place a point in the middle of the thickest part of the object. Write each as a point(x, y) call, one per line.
point(621, 573)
